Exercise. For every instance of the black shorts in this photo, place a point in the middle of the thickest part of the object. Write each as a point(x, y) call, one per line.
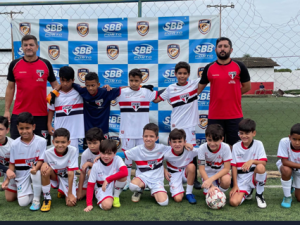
point(231, 129)
point(41, 128)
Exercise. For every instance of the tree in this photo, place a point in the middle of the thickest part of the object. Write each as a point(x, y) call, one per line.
point(246, 55)
point(282, 70)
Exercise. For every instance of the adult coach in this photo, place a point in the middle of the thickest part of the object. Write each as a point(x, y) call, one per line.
point(229, 79)
point(30, 73)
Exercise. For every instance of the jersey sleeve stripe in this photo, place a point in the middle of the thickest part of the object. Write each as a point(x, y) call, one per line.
point(282, 157)
point(161, 98)
point(263, 159)
point(227, 160)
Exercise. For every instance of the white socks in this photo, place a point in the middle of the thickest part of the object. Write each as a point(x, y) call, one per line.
point(118, 188)
point(189, 189)
point(46, 192)
point(286, 186)
point(260, 186)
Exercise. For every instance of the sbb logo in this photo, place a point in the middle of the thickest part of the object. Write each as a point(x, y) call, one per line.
point(204, 48)
point(114, 122)
point(53, 28)
point(169, 73)
point(143, 49)
point(112, 27)
point(204, 96)
point(174, 25)
point(113, 73)
point(20, 52)
point(114, 119)
point(167, 121)
point(83, 50)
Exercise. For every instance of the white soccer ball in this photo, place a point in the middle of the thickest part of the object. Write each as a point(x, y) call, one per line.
point(216, 201)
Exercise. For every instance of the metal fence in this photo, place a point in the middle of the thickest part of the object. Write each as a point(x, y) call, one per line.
point(253, 38)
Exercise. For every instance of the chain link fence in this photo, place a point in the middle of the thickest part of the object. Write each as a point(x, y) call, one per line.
point(260, 44)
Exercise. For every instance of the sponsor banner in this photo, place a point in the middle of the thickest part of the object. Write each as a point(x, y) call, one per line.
point(113, 74)
point(142, 52)
point(171, 28)
point(202, 51)
point(112, 29)
point(54, 30)
point(114, 121)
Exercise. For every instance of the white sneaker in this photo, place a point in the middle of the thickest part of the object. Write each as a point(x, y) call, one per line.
point(249, 197)
point(136, 196)
point(261, 203)
point(125, 188)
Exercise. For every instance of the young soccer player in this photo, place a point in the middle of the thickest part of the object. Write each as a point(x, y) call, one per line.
point(110, 174)
point(289, 165)
point(5, 145)
point(180, 166)
point(214, 161)
point(68, 108)
point(93, 138)
point(26, 158)
point(96, 103)
point(58, 168)
point(248, 166)
point(184, 99)
point(134, 110)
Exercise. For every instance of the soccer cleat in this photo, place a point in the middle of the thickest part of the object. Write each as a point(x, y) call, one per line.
point(35, 205)
point(136, 196)
point(261, 203)
point(249, 197)
point(191, 198)
point(125, 188)
point(46, 205)
point(286, 202)
point(116, 202)
point(147, 189)
point(60, 195)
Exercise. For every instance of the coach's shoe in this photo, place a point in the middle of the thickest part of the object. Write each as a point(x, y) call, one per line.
point(46, 205)
point(261, 203)
point(191, 198)
point(136, 196)
point(35, 205)
point(286, 202)
point(125, 188)
point(197, 185)
point(60, 195)
point(249, 197)
point(116, 202)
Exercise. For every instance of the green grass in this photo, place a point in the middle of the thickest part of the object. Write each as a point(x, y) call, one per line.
point(148, 210)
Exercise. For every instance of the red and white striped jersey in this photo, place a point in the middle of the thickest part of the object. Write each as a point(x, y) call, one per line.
point(241, 155)
point(23, 154)
point(134, 110)
point(184, 100)
point(214, 161)
point(61, 164)
point(177, 163)
point(5, 152)
point(101, 171)
point(68, 109)
point(285, 151)
point(148, 162)
point(88, 156)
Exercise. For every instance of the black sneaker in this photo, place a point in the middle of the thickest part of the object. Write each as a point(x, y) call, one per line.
point(197, 185)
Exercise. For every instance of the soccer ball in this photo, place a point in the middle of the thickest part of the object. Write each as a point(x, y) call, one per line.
point(216, 201)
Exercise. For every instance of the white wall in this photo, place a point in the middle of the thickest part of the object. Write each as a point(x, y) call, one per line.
point(287, 81)
point(261, 74)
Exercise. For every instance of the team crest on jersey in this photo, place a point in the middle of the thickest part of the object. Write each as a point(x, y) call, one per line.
point(53, 51)
point(81, 74)
point(112, 51)
point(62, 172)
point(44, 133)
point(173, 51)
point(203, 120)
point(24, 28)
point(146, 74)
point(113, 103)
point(151, 163)
point(19, 188)
point(200, 71)
point(204, 26)
point(185, 97)
point(67, 109)
point(106, 136)
point(40, 72)
point(232, 74)
point(99, 102)
point(136, 105)
point(83, 29)
point(29, 161)
point(142, 27)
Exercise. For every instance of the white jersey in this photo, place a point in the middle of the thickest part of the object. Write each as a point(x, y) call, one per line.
point(285, 151)
point(61, 164)
point(177, 163)
point(184, 100)
point(214, 161)
point(5, 152)
point(68, 109)
point(23, 154)
point(149, 163)
point(88, 156)
point(101, 171)
point(134, 109)
point(241, 155)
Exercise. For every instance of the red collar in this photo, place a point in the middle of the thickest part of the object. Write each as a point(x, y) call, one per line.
point(56, 153)
point(215, 151)
point(172, 150)
point(95, 93)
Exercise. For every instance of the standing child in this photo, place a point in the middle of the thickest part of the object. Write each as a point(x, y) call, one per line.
point(183, 97)
point(214, 159)
point(180, 166)
point(58, 168)
point(109, 173)
point(248, 166)
point(134, 110)
point(68, 108)
point(26, 158)
point(289, 165)
point(93, 137)
point(5, 145)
